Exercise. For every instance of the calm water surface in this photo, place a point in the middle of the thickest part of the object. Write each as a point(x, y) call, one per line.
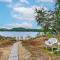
point(18, 34)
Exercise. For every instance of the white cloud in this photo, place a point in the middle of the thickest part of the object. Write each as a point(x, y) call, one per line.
point(20, 12)
point(15, 25)
point(6, 1)
point(24, 1)
point(25, 13)
point(50, 1)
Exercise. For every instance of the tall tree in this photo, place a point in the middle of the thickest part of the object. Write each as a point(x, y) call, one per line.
point(49, 19)
point(45, 19)
point(57, 17)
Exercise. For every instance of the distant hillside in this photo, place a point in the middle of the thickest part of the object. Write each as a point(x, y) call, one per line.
point(21, 29)
point(3, 29)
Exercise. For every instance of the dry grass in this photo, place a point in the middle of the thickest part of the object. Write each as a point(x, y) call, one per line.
point(36, 47)
point(5, 46)
point(35, 42)
point(4, 53)
point(4, 43)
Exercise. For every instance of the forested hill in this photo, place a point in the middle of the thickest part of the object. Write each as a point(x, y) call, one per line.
point(22, 29)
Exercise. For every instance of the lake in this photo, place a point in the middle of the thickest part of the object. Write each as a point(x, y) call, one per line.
point(18, 34)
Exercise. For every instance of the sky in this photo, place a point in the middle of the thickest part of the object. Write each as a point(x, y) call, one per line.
point(21, 13)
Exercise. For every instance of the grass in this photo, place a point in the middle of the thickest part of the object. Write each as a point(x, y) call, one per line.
point(5, 46)
point(6, 41)
point(39, 50)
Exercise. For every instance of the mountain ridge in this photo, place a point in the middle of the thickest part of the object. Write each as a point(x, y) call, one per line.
point(21, 29)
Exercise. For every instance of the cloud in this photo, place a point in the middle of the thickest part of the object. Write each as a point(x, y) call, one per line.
point(24, 1)
point(25, 13)
point(16, 25)
point(21, 12)
point(50, 1)
point(6, 1)
point(24, 24)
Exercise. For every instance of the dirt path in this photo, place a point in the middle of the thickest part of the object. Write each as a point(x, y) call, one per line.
point(18, 52)
point(14, 52)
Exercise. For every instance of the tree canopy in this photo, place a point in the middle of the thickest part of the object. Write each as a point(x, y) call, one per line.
point(49, 20)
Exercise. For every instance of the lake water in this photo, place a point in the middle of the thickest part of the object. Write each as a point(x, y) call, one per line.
point(18, 34)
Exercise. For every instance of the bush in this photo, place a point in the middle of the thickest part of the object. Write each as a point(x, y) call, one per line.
point(50, 35)
point(57, 52)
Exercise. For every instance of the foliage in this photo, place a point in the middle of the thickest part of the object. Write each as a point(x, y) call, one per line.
point(49, 20)
point(49, 35)
point(57, 13)
point(45, 19)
